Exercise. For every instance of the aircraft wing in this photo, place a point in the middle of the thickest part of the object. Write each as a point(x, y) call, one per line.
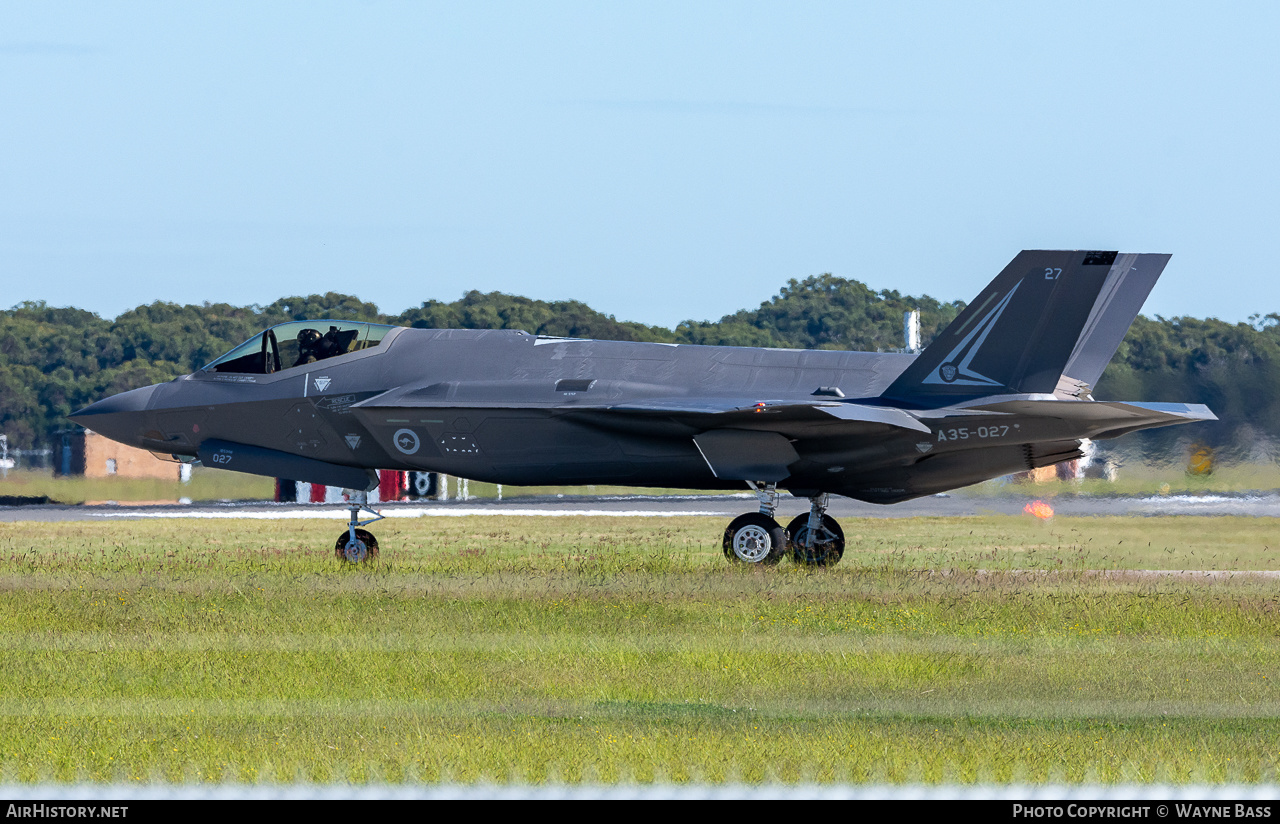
point(853, 412)
point(717, 411)
point(749, 439)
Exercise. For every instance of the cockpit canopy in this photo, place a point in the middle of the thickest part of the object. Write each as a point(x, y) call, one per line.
point(298, 343)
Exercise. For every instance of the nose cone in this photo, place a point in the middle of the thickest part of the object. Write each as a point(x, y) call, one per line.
point(119, 417)
point(135, 400)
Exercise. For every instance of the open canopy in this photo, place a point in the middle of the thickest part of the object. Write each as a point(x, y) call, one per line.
point(299, 343)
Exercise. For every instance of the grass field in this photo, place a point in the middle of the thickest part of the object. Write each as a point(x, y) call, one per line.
point(533, 650)
point(206, 485)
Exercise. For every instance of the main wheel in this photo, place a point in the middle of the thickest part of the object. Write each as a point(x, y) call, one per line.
point(365, 547)
point(754, 539)
point(828, 545)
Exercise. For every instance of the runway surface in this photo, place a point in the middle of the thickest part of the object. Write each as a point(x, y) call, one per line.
point(1258, 504)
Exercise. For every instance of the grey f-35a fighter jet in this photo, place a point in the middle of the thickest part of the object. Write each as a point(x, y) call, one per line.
point(1005, 388)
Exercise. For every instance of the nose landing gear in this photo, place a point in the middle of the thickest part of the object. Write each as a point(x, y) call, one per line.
point(357, 545)
point(361, 546)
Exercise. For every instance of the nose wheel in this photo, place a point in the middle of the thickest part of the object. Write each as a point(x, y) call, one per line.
point(355, 545)
point(358, 548)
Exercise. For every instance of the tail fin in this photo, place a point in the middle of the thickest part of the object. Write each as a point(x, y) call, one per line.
point(1048, 313)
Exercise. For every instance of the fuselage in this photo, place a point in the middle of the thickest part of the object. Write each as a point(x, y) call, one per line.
point(1006, 386)
point(513, 408)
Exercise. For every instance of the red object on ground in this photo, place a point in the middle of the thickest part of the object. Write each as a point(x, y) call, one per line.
point(391, 485)
point(1040, 509)
point(317, 493)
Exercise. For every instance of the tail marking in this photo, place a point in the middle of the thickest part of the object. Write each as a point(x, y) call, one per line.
point(955, 368)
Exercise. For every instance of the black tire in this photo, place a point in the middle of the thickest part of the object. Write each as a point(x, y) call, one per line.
point(365, 549)
point(826, 551)
point(755, 539)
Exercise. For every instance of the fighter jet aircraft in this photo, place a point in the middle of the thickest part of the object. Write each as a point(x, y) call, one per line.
point(1005, 388)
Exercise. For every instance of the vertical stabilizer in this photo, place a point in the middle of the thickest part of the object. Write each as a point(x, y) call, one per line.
point(1046, 310)
point(1125, 290)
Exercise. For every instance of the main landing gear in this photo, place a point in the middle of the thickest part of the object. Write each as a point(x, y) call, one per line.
point(357, 545)
point(756, 538)
point(816, 539)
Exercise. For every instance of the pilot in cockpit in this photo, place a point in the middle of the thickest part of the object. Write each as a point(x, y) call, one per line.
point(312, 346)
point(308, 343)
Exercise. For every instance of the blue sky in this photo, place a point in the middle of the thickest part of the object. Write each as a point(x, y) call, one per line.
point(659, 161)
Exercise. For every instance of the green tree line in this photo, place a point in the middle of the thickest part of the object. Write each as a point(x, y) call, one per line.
point(55, 360)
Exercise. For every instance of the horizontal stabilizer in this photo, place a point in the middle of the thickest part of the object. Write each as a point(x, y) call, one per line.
point(1185, 411)
point(1106, 419)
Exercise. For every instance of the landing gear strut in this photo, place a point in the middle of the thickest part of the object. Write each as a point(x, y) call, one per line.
point(816, 539)
point(756, 538)
point(357, 545)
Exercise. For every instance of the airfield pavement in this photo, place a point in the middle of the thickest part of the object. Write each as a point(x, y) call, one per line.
point(726, 506)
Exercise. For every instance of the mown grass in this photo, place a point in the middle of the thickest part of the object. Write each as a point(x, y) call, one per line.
point(623, 649)
point(206, 484)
